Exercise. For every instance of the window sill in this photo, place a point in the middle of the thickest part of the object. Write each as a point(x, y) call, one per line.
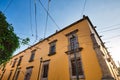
point(50, 54)
point(31, 60)
point(76, 50)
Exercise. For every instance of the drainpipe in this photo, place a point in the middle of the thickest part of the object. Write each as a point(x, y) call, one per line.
point(39, 68)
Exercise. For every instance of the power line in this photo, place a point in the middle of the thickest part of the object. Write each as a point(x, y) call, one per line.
point(23, 34)
point(46, 19)
point(112, 37)
point(35, 19)
point(109, 26)
point(83, 7)
point(10, 1)
point(109, 30)
point(49, 14)
point(31, 18)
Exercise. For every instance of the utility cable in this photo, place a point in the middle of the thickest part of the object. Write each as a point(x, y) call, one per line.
point(31, 18)
point(49, 14)
point(46, 19)
point(83, 7)
point(10, 1)
point(35, 20)
point(110, 30)
point(113, 37)
point(109, 26)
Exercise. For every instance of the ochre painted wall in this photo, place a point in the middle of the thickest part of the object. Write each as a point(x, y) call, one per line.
point(59, 64)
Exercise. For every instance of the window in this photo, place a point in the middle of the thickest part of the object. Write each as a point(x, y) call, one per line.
point(9, 75)
point(45, 70)
point(79, 65)
point(2, 74)
point(73, 43)
point(20, 59)
point(28, 73)
point(17, 74)
point(52, 48)
point(32, 55)
point(14, 62)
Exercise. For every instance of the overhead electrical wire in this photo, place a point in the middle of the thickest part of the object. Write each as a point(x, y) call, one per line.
point(10, 1)
point(36, 20)
point(109, 26)
point(109, 30)
point(31, 18)
point(49, 14)
point(46, 19)
point(118, 36)
point(83, 7)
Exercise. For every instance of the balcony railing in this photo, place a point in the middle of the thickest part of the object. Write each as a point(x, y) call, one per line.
point(73, 48)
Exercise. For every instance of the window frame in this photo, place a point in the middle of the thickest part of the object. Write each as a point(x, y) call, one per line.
point(79, 67)
point(17, 74)
point(32, 55)
point(10, 74)
point(47, 62)
point(20, 60)
point(28, 71)
point(52, 48)
point(73, 42)
point(14, 63)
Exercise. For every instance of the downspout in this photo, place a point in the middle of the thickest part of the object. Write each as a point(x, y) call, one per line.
point(39, 68)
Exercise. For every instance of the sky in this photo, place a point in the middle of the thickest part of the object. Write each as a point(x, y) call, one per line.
point(105, 14)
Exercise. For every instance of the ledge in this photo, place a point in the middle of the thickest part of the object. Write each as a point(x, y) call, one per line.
point(76, 50)
point(31, 60)
point(108, 78)
point(50, 54)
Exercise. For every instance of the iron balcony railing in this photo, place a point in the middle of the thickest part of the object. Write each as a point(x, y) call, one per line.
point(73, 47)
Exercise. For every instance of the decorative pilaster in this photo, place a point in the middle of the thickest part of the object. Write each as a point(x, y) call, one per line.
point(106, 75)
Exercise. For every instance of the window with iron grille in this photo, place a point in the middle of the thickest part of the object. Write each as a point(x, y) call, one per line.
point(45, 69)
point(73, 43)
point(32, 55)
point(79, 65)
point(14, 62)
point(52, 49)
point(2, 74)
point(20, 59)
point(17, 74)
point(28, 73)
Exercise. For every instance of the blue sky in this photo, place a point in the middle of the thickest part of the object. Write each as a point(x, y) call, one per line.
point(103, 13)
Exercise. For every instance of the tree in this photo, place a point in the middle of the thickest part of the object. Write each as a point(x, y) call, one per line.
point(9, 41)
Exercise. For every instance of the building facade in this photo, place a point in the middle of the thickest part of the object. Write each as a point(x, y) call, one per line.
point(73, 53)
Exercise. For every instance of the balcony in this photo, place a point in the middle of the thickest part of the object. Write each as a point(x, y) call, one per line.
point(73, 48)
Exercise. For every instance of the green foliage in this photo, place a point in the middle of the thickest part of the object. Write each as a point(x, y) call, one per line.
point(25, 41)
point(9, 41)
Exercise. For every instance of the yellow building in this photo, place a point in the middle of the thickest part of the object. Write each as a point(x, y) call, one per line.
point(73, 53)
